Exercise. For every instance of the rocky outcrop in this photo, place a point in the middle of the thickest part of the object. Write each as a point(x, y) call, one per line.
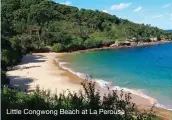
point(135, 44)
point(116, 44)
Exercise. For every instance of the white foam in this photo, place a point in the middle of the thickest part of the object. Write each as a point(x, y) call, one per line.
point(105, 84)
point(162, 106)
point(62, 65)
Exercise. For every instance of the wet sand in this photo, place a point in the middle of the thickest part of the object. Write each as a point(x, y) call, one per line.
point(41, 69)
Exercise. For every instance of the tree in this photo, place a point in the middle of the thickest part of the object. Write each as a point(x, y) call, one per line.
point(91, 43)
point(57, 47)
point(62, 24)
point(88, 99)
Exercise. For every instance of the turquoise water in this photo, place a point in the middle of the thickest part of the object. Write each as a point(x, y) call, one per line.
point(148, 69)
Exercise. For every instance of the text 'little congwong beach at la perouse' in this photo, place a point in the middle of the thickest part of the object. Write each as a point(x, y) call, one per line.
point(61, 112)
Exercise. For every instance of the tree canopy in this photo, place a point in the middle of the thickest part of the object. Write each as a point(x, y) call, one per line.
point(33, 25)
point(45, 23)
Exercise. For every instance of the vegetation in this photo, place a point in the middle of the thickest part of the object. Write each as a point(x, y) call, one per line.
point(38, 23)
point(57, 47)
point(89, 99)
point(10, 55)
point(32, 25)
point(35, 25)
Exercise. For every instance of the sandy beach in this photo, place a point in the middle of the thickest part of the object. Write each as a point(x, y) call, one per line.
point(41, 69)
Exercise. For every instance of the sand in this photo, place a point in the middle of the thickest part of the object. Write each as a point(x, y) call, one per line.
point(41, 69)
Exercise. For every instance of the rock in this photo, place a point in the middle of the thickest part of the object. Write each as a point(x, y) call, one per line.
point(116, 44)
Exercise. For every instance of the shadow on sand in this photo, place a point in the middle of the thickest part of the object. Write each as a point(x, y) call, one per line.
point(23, 83)
point(20, 82)
point(33, 59)
point(22, 68)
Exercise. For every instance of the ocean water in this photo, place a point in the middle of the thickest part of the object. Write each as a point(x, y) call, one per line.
point(147, 69)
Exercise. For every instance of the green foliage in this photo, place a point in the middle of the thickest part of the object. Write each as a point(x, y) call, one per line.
point(40, 23)
point(91, 43)
point(9, 58)
point(76, 44)
point(32, 25)
point(57, 47)
point(4, 79)
point(11, 53)
point(87, 99)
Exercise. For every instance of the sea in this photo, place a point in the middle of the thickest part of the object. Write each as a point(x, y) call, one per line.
point(146, 69)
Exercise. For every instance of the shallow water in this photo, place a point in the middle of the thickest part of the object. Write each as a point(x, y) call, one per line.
point(146, 69)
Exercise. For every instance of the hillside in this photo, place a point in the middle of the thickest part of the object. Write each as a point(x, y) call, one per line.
point(33, 25)
point(45, 23)
point(38, 25)
point(41, 25)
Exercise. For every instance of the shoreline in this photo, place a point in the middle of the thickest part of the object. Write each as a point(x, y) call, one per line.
point(41, 69)
point(127, 90)
point(102, 84)
point(111, 47)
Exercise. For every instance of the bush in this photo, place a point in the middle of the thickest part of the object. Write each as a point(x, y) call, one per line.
point(58, 47)
point(76, 44)
point(43, 50)
point(4, 79)
point(88, 99)
point(5, 60)
point(92, 43)
point(10, 57)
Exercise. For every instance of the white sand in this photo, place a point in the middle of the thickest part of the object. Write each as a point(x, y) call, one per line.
point(40, 69)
